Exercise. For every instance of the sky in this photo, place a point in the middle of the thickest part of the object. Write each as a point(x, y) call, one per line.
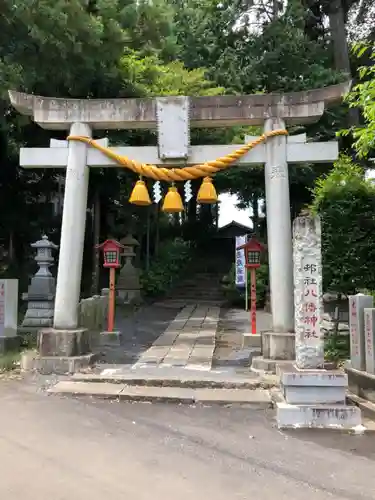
point(229, 211)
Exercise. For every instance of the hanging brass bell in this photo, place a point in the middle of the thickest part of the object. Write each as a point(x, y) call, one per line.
point(172, 201)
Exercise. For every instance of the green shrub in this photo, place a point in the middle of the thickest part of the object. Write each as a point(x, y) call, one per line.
point(172, 259)
point(336, 348)
point(345, 201)
point(236, 296)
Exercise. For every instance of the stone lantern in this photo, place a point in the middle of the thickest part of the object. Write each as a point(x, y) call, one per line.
point(128, 287)
point(41, 292)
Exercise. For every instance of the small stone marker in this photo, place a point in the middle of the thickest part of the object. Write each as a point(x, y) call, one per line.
point(357, 305)
point(8, 314)
point(308, 292)
point(370, 339)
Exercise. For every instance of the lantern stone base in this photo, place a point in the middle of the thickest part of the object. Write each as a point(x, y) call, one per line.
point(314, 398)
point(110, 339)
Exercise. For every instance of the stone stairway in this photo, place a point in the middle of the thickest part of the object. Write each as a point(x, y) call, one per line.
point(201, 287)
point(202, 282)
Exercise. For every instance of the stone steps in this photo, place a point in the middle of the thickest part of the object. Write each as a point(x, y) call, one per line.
point(182, 378)
point(260, 398)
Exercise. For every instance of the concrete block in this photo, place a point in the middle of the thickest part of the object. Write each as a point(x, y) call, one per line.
point(361, 383)
point(317, 416)
point(250, 340)
point(312, 386)
point(291, 376)
point(278, 345)
point(110, 339)
point(260, 364)
point(299, 395)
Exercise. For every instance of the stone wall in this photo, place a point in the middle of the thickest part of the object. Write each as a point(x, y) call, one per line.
point(93, 313)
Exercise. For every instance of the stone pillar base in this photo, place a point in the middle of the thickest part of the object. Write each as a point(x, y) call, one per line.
point(314, 399)
point(60, 351)
point(54, 342)
point(250, 340)
point(276, 348)
point(280, 346)
point(110, 339)
point(60, 365)
point(10, 344)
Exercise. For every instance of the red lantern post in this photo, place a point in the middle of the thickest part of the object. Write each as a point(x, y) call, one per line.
point(252, 251)
point(111, 252)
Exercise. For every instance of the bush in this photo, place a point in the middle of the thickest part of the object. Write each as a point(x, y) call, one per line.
point(236, 296)
point(173, 257)
point(345, 201)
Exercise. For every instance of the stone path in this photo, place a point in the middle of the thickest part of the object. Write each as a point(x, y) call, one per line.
point(139, 330)
point(234, 324)
point(188, 341)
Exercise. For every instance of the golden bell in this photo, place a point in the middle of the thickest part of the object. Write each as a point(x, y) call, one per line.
point(207, 192)
point(172, 201)
point(140, 195)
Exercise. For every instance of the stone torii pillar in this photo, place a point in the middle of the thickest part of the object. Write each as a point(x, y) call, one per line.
point(172, 117)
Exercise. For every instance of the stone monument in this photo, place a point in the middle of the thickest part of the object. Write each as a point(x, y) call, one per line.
point(361, 366)
point(41, 292)
point(311, 395)
point(370, 340)
point(128, 289)
point(357, 305)
point(9, 340)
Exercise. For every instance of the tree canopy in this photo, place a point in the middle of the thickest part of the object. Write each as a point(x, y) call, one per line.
point(128, 48)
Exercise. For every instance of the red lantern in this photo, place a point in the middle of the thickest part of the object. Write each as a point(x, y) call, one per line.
point(111, 252)
point(252, 251)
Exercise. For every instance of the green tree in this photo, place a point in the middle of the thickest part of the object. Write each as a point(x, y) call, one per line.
point(362, 97)
point(345, 202)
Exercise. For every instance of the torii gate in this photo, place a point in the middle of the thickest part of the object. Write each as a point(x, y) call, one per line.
point(173, 117)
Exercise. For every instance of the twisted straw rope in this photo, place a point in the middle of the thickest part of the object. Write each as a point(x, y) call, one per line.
point(178, 174)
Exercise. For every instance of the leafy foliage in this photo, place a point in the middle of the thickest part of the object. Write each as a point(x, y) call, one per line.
point(236, 296)
point(362, 96)
point(345, 202)
point(172, 259)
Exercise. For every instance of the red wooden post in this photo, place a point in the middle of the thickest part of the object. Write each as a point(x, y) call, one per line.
point(111, 252)
point(252, 251)
point(253, 301)
point(111, 299)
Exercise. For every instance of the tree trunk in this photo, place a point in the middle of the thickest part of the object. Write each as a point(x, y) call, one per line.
point(335, 11)
point(96, 238)
point(255, 216)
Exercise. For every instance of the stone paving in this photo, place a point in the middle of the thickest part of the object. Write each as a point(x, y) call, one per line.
point(139, 330)
point(188, 341)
